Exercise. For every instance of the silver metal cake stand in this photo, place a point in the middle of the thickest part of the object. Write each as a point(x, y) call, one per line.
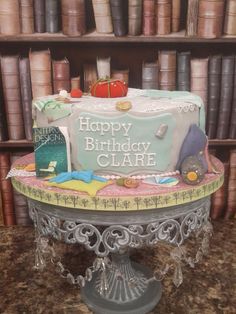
point(113, 283)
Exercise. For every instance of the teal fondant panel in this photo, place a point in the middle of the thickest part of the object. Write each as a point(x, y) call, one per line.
point(125, 143)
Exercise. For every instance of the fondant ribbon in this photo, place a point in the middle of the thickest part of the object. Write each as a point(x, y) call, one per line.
point(84, 175)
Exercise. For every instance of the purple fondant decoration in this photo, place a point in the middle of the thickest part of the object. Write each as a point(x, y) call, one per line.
point(194, 144)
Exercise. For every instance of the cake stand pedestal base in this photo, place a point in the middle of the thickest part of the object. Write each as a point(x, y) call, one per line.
point(122, 288)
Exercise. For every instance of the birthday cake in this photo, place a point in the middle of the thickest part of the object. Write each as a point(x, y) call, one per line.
point(145, 133)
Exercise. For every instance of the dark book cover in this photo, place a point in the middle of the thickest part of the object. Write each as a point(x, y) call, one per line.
point(183, 71)
point(3, 124)
point(230, 18)
point(167, 69)
point(150, 72)
point(231, 200)
point(39, 16)
point(227, 85)
point(192, 18)
point(214, 87)
point(10, 17)
point(52, 150)
point(27, 16)
point(163, 17)
point(73, 17)
point(52, 15)
point(61, 75)
point(102, 15)
point(41, 73)
point(232, 126)
point(210, 18)
point(1, 210)
point(149, 18)
point(119, 14)
point(26, 96)
point(12, 97)
point(135, 8)
point(90, 20)
point(6, 190)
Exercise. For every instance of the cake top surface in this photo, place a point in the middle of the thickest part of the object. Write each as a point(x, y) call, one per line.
point(142, 101)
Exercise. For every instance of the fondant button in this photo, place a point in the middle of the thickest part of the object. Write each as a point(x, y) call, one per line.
point(123, 105)
point(130, 183)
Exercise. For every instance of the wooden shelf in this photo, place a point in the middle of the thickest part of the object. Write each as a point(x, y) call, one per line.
point(227, 142)
point(111, 38)
point(21, 143)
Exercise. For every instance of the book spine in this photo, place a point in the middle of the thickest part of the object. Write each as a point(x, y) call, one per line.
point(227, 84)
point(73, 17)
point(61, 75)
point(75, 82)
point(199, 78)
point(150, 75)
point(19, 200)
point(122, 75)
point(163, 17)
point(10, 17)
point(167, 69)
point(104, 67)
point(102, 14)
point(119, 14)
point(231, 201)
point(210, 18)
point(12, 97)
point(27, 16)
point(183, 71)
point(232, 129)
point(1, 210)
point(40, 71)
point(26, 96)
point(149, 18)
point(3, 124)
point(176, 14)
point(39, 16)
point(52, 16)
point(230, 18)
point(219, 198)
point(192, 18)
point(90, 75)
point(90, 20)
point(214, 86)
point(6, 190)
point(135, 17)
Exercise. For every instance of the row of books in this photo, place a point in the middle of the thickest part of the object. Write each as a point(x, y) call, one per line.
point(203, 18)
point(223, 202)
point(212, 78)
point(13, 205)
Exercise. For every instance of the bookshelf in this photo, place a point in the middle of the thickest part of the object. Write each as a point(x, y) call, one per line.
point(125, 52)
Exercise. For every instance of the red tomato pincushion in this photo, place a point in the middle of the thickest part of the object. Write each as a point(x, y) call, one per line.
point(109, 88)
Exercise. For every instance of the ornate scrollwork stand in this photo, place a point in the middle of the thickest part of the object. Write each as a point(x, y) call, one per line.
point(117, 285)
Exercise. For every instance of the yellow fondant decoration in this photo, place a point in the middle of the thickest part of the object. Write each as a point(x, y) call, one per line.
point(30, 167)
point(77, 185)
point(192, 176)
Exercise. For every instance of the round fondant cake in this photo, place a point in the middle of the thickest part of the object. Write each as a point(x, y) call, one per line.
point(147, 132)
